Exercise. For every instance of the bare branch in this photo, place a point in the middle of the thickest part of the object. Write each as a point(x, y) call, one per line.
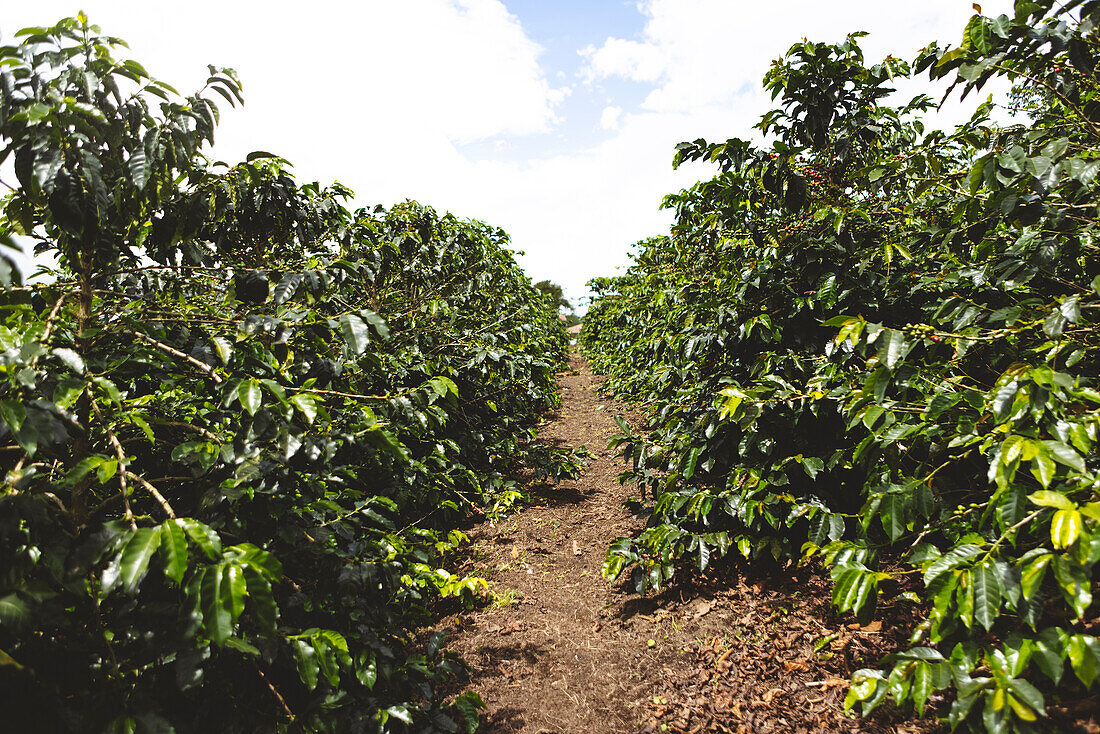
point(177, 353)
point(156, 494)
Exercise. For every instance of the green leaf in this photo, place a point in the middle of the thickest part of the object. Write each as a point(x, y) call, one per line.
point(951, 559)
point(1004, 399)
point(13, 414)
point(139, 168)
point(1029, 694)
point(891, 347)
point(306, 658)
point(355, 333)
point(143, 424)
point(14, 614)
point(1075, 582)
point(135, 557)
point(376, 322)
point(401, 713)
point(70, 359)
point(242, 646)
point(174, 549)
point(1048, 498)
point(306, 405)
point(977, 35)
point(690, 462)
point(223, 348)
point(260, 599)
point(1066, 455)
point(988, 591)
point(1014, 159)
point(216, 605)
point(1012, 506)
point(202, 536)
point(1049, 653)
point(366, 670)
point(234, 590)
point(284, 291)
point(248, 392)
point(923, 685)
point(442, 386)
point(704, 555)
point(1032, 575)
point(1065, 527)
point(854, 587)
point(1042, 468)
point(1084, 657)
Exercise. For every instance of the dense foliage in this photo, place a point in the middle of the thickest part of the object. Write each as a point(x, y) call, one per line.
point(876, 345)
point(239, 423)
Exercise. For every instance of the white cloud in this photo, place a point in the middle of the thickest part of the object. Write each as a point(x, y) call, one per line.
point(634, 60)
point(331, 77)
point(704, 52)
point(609, 118)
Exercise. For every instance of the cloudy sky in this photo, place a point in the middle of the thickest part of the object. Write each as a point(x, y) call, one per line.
point(554, 119)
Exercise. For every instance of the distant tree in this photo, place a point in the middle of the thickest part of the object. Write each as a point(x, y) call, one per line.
point(553, 292)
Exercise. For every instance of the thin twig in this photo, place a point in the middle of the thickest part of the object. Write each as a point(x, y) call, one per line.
point(177, 353)
point(275, 692)
point(156, 494)
point(121, 455)
point(197, 429)
point(338, 394)
point(53, 314)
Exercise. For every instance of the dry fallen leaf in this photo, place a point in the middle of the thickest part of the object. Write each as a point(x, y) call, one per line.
point(829, 683)
point(702, 608)
point(771, 693)
point(513, 626)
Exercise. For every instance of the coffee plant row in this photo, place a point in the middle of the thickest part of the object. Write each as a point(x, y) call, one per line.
point(875, 344)
point(240, 424)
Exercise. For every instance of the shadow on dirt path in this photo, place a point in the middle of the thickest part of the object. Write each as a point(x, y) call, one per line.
point(560, 649)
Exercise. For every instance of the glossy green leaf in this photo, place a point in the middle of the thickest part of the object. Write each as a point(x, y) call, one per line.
point(203, 536)
point(1032, 575)
point(1075, 583)
point(1064, 454)
point(135, 556)
point(248, 392)
point(1047, 498)
point(988, 592)
point(306, 405)
point(173, 546)
point(306, 657)
point(261, 601)
point(216, 605)
point(356, 333)
point(1065, 527)
point(1084, 657)
point(233, 589)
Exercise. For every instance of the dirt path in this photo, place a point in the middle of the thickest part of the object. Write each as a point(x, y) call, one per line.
point(552, 653)
point(560, 649)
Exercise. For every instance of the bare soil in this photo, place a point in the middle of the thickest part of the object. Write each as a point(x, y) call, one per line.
point(560, 649)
